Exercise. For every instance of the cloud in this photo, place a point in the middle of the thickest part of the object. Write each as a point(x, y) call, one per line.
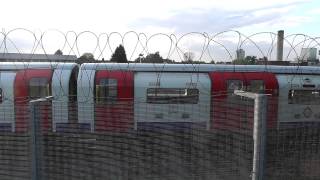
point(315, 11)
point(218, 19)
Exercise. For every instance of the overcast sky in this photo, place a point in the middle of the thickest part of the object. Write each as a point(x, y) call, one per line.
point(165, 16)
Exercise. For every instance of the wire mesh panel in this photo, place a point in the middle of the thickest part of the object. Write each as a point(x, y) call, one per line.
point(15, 146)
point(121, 145)
point(293, 149)
point(232, 127)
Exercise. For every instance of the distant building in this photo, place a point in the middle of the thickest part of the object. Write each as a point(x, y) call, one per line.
point(308, 54)
point(11, 57)
point(240, 54)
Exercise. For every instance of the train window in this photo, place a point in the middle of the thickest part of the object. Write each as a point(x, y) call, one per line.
point(0, 95)
point(38, 88)
point(106, 91)
point(234, 85)
point(256, 86)
point(305, 97)
point(172, 96)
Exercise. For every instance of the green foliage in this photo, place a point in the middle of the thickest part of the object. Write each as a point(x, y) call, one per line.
point(188, 57)
point(87, 57)
point(248, 60)
point(58, 52)
point(119, 55)
point(153, 58)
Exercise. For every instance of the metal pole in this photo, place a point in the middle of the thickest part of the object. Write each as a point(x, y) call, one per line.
point(259, 132)
point(259, 136)
point(34, 128)
point(33, 133)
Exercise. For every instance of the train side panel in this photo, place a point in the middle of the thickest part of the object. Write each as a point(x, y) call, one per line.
point(299, 98)
point(7, 113)
point(171, 98)
point(64, 82)
point(85, 93)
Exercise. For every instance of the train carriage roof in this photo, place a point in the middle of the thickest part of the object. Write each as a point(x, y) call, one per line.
point(201, 68)
point(35, 65)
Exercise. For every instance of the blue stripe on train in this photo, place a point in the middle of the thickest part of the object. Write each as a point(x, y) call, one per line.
point(5, 127)
point(68, 127)
point(170, 126)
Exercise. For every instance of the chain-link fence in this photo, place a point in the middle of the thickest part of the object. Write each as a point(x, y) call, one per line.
point(118, 144)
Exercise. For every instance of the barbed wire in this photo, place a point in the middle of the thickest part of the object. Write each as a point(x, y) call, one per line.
point(218, 47)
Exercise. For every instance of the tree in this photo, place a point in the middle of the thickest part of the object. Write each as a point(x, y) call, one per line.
point(87, 57)
point(153, 58)
point(188, 56)
point(248, 60)
point(58, 52)
point(119, 55)
point(251, 59)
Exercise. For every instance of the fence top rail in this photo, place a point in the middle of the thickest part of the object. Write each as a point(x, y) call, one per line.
point(249, 94)
point(42, 99)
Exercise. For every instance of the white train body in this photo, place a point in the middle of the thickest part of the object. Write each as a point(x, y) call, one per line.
point(299, 98)
point(122, 97)
point(171, 97)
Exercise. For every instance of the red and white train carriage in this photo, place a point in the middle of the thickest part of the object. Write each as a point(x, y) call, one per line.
point(122, 97)
point(185, 94)
point(21, 82)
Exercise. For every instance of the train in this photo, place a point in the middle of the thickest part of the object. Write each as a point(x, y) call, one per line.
point(100, 97)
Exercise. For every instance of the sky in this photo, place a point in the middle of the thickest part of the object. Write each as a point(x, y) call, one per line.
point(161, 16)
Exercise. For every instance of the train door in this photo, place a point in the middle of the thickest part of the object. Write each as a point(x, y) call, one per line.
point(172, 100)
point(31, 84)
point(223, 100)
point(7, 116)
point(265, 83)
point(113, 101)
point(226, 106)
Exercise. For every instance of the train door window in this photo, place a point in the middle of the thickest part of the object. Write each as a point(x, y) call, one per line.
point(1, 95)
point(234, 85)
point(172, 96)
point(304, 97)
point(38, 88)
point(106, 91)
point(256, 86)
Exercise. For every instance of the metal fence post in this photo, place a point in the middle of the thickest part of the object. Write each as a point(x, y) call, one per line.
point(33, 134)
point(34, 128)
point(259, 132)
point(259, 136)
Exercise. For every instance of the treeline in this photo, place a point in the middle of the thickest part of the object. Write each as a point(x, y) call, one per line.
point(119, 56)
